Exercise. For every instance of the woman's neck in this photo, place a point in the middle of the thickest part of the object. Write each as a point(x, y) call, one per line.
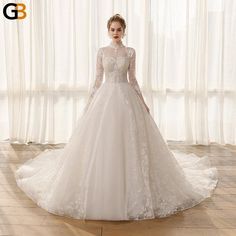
point(116, 44)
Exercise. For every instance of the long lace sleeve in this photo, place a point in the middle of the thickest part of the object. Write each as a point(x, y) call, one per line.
point(98, 77)
point(132, 75)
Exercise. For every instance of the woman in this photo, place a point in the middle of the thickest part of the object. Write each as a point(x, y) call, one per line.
point(116, 165)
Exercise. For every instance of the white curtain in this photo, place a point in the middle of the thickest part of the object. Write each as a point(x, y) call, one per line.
point(186, 66)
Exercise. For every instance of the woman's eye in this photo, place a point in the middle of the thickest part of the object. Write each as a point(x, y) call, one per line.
point(114, 30)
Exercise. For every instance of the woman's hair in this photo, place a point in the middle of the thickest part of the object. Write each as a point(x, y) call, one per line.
point(117, 18)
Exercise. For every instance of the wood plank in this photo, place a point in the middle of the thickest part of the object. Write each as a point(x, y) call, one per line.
point(216, 215)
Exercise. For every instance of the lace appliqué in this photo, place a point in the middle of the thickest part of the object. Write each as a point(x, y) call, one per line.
point(98, 77)
point(132, 72)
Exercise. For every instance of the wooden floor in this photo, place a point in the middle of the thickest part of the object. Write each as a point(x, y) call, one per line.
point(215, 216)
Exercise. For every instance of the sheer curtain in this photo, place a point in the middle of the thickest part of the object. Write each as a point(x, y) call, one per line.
point(185, 66)
point(192, 69)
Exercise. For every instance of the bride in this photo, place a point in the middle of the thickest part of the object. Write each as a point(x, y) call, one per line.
point(116, 165)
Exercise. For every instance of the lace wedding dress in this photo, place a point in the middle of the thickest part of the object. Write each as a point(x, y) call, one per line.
point(116, 165)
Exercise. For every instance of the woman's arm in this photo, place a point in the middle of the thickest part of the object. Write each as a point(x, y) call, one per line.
point(132, 77)
point(98, 77)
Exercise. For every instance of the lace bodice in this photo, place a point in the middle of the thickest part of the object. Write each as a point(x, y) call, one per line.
point(115, 61)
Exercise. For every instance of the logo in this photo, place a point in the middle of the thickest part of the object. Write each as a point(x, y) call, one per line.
point(13, 11)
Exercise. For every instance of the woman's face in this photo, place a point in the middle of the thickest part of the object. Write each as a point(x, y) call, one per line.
point(116, 31)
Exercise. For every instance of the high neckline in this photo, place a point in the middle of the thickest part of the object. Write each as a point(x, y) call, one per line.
point(116, 45)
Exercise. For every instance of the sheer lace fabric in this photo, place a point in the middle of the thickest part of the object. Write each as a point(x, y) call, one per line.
point(117, 61)
point(116, 165)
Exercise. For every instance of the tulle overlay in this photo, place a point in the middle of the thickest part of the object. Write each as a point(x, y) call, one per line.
point(116, 166)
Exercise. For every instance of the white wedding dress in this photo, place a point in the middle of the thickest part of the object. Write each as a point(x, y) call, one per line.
point(116, 165)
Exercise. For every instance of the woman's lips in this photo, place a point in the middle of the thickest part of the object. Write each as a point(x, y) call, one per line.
point(116, 37)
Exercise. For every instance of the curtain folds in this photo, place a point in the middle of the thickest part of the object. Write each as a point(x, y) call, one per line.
point(186, 57)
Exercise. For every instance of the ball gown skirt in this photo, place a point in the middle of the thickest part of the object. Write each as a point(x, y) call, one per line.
point(116, 166)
